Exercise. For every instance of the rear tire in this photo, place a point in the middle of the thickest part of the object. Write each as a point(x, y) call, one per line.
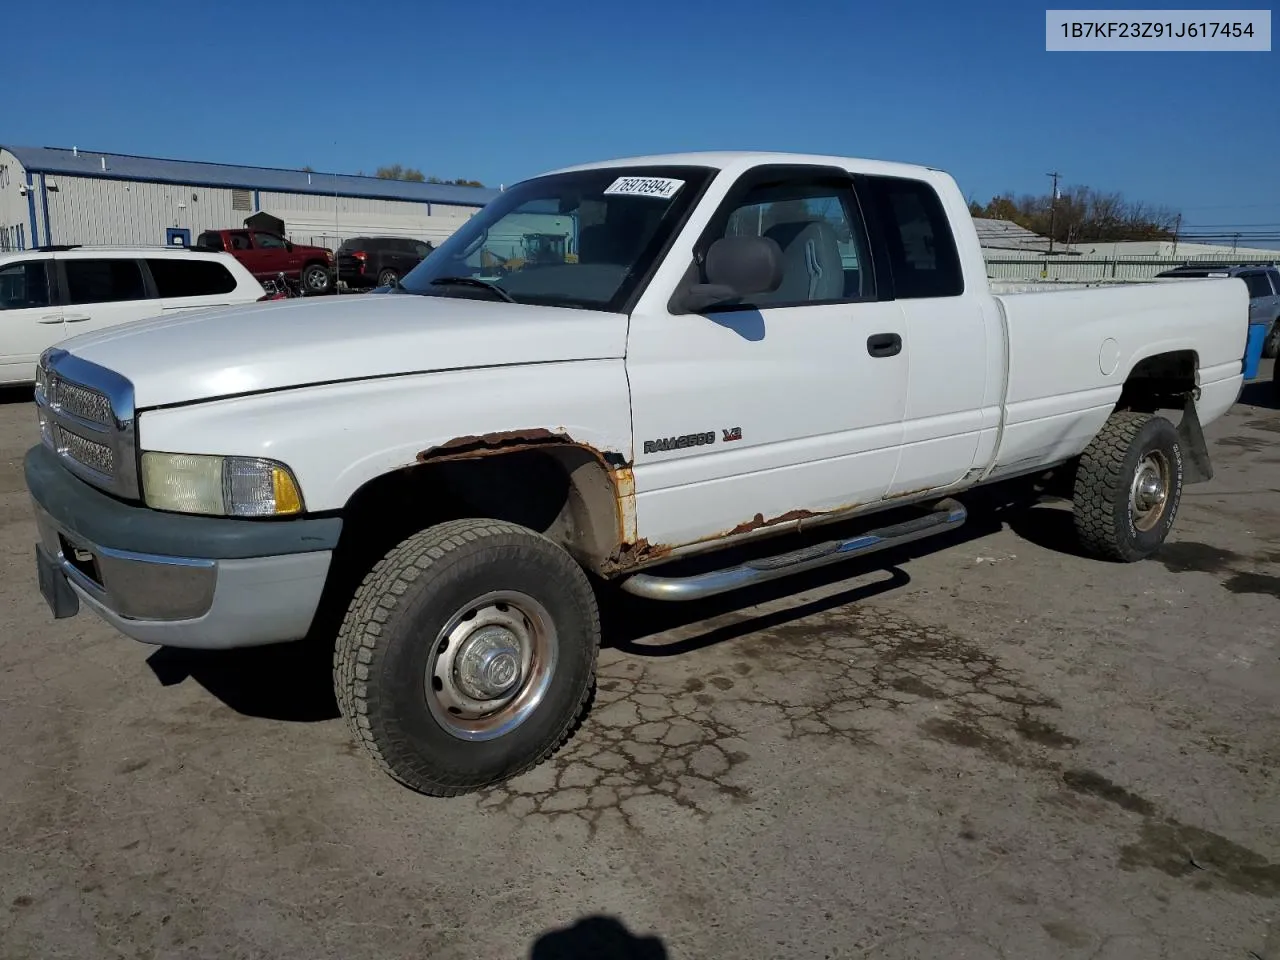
point(467, 655)
point(1128, 486)
point(387, 277)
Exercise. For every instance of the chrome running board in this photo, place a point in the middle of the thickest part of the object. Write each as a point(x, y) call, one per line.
point(946, 515)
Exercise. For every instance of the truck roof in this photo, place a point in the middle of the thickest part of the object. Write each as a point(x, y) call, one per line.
point(744, 159)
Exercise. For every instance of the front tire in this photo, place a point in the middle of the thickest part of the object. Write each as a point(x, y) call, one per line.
point(1271, 346)
point(467, 655)
point(1128, 486)
point(316, 280)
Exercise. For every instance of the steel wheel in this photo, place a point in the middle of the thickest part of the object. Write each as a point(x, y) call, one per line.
point(317, 279)
point(491, 667)
point(1149, 490)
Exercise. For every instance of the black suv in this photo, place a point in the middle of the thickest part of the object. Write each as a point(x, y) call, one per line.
point(1263, 281)
point(378, 261)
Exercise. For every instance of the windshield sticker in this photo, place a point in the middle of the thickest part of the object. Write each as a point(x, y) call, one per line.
point(664, 188)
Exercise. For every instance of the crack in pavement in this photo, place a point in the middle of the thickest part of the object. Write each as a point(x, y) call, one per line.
point(835, 676)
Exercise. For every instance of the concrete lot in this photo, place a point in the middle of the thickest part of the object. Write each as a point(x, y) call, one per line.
point(997, 749)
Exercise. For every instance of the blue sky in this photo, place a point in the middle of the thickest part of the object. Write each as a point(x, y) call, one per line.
point(500, 90)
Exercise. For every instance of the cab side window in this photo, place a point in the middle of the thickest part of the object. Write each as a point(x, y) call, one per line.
point(1258, 285)
point(267, 241)
point(24, 285)
point(819, 229)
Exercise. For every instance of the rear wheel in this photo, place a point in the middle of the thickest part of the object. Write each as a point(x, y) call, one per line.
point(387, 277)
point(467, 655)
point(1128, 486)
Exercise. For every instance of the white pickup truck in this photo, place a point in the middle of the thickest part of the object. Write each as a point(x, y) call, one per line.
point(730, 347)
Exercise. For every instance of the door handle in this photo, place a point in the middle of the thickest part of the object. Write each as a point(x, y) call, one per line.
point(51, 318)
point(884, 344)
point(75, 318)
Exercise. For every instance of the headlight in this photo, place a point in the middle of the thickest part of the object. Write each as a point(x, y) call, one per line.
point(222, 486)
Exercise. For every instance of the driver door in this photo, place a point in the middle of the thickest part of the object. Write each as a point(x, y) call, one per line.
point(761, 413)
point(274, 254)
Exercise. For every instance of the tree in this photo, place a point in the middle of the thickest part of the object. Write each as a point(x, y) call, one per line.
point(1082, 215)
point(398, 172)
point(307, 169)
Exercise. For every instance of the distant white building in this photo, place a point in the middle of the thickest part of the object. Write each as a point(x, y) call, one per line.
point(1171, 250)
point(52, 195)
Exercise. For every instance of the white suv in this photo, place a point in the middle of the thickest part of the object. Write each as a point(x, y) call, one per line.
point(52, 293)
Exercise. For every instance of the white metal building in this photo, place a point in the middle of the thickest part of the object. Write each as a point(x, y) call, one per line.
point(53, 195)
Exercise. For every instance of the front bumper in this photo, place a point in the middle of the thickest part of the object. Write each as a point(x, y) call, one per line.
point(173, 579)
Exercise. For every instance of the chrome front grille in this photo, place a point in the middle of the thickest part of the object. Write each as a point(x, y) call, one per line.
point(96, 456)
point(87, 418)
point(80, 402)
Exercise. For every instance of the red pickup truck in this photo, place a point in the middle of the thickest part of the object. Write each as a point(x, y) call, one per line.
point(267, 255)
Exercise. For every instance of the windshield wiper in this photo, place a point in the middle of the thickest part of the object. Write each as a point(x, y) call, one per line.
point(471, 282)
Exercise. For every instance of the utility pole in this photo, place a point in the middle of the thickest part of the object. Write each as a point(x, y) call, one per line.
point(1177, 228)
point(1053, 207)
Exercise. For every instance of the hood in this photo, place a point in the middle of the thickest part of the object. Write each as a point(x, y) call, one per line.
point(201, 355)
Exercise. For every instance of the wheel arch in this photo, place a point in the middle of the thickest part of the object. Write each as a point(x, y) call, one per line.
point(578, 496)
point(1160, 381)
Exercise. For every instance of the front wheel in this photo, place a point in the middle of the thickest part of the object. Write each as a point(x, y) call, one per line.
point(467, 655)
point(316, 279)
point(1128, 486)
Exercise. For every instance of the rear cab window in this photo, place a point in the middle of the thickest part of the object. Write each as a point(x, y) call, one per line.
point(108, 280)
point(918, 241)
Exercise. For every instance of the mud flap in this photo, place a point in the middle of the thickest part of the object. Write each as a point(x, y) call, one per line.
point(1197, 468)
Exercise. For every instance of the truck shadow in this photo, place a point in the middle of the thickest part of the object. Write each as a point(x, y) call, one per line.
point(11, 396)
point(293, 682)
point(287, 681)
point(1261, 393)
point(597, 938)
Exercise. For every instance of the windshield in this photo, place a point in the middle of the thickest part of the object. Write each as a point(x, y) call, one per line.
point(584, 239)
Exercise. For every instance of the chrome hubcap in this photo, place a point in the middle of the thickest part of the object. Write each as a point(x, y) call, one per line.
point(1150, 490)
point(491, 665)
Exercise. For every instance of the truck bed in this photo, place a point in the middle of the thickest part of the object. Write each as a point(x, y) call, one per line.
point(1070, 347)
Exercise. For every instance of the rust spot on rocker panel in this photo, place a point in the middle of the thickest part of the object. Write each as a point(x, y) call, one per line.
point(758, 521)
point(919, 491)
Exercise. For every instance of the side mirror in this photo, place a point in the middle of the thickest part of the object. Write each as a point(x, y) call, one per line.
point(288, 245)
point(736, 267)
